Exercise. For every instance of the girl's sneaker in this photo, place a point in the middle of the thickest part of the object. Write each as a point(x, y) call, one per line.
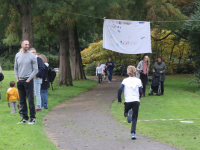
point(129, 117)
point(133, 136)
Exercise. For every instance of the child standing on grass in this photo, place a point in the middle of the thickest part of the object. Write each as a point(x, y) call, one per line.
point(132, 92)
point(12, 95)
point(99, 72)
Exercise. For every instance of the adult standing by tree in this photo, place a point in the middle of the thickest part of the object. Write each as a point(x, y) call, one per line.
point(110, 66)
point(26, 68)
point(160, 68)
point(143, 71)
point(38, 80)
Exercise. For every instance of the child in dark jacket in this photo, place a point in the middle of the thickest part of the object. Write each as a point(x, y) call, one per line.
point(132, 92)
point(45, 83)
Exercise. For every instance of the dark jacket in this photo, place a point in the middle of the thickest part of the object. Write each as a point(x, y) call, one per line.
point(160, 67)
point(45, 79)
point(110, 66)
point(41, 68)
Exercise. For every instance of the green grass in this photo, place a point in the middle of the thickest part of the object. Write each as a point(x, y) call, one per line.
point(180, 101)
point(32, 137)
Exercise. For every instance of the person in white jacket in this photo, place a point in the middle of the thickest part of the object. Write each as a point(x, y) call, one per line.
point(99, 72)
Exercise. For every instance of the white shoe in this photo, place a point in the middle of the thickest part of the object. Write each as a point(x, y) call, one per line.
point(32, 121)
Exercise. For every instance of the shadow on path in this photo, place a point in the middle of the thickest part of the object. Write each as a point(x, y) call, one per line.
point(85, 122)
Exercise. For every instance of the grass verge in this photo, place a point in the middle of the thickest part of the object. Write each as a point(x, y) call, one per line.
point(32, 137)
point(179, 101)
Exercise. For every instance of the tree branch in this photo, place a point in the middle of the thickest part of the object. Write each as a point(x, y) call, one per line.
point(17, 7)
point(162, 38)
point(69, 3)
point(181, 36)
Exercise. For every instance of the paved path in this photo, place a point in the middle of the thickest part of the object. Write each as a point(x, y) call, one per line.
point(86, 123)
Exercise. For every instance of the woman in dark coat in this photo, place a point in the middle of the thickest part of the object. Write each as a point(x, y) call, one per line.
point(160, 68)
point(45, 83)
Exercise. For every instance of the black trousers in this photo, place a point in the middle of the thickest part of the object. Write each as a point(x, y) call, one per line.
point(99, 77)
point(144, 80)
point(135, 107)
point(26, 90)
point(162, 87)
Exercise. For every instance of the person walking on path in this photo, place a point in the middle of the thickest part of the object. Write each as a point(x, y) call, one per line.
point(110, 66)
point(132, 92)
point(45, 83)
point(103, 66)
point(26, 68)
point(143, 72)
point(38, 80)
point(160, 68)
point(99, 72)
point(12, 95)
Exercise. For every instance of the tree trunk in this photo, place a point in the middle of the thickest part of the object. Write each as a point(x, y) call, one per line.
point(50, 48)
point(26, 19)
point(10, 50)
point(76, 60)
point(65, 77)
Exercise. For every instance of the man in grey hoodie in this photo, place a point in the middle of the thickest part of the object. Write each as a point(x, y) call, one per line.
point(26, 68)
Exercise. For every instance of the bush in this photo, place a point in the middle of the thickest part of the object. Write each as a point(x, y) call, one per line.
point(90, 69)
point(53, 61)
point(7, 61)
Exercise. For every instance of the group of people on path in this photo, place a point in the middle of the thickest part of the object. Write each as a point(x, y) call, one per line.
point(134, 88)
point(102, 68)
point(31, 72)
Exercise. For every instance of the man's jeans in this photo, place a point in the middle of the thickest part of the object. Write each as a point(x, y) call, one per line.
point(44, 98)
point(37, 87)
point(110, 72)
point(26, 90)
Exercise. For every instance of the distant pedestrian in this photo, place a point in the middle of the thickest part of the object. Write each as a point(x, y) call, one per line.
point(38, 80)
point(110, 66)
point(12, 96)
point(160, 68)
point(99, 72)
point(103, 66)
point(45, 83)
point(143, 71)
point(25, 69)
point(132, 92)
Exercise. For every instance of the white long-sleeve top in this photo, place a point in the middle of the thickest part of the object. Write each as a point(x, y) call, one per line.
point(99, 70)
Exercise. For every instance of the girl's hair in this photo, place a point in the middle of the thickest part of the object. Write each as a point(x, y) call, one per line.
point(43, 57)
point(148, 60)
point(131, 71)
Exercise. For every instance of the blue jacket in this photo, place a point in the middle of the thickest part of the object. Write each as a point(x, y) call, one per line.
point(41, 68)
point(110, 66)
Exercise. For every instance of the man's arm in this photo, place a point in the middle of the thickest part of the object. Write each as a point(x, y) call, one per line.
point(16, 69)
point(35, 69)
point(120, 93)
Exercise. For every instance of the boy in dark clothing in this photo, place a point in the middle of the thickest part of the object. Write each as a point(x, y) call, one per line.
point(110, 66)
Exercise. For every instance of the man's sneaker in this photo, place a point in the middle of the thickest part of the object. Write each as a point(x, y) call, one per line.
point(133, 136)
point(23, 121)
point(32, 121)
point(129, 117)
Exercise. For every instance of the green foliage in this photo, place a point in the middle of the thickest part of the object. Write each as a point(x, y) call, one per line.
point(90, 70)
point(179, 101)
point(7, 61)
point(53, 61)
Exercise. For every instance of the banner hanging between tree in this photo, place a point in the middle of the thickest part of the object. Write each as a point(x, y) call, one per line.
point(128, 37)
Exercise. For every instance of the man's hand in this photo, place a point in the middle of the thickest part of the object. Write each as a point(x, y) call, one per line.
point(160, 71)
point(28, 80)
point(17, 79)
point(35, 78)
point(46, 79)
point(153, 71)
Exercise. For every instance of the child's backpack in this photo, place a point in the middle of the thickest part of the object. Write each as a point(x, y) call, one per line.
point(52, 76)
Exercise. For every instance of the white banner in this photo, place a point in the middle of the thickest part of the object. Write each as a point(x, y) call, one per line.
point(128, 37)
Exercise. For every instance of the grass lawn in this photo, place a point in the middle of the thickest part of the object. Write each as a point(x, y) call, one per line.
point(180, 101)
point(32, 137)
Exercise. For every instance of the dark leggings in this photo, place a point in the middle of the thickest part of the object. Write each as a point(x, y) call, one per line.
point(99, 78)
point(144, 80)
point(135, 107)
point(162, 87)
